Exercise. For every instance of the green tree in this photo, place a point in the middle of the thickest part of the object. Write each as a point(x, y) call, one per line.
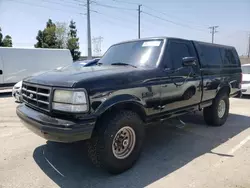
point(73, 41)
point(1, 36)
point(50, 35)
point(6, 41)
point(40, 40)
point(47, 37)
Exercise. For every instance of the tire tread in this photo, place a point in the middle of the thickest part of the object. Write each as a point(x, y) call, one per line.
point(96, 145)
point(210, 113)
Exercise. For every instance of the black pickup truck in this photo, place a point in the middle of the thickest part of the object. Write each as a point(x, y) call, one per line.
point(135, 83)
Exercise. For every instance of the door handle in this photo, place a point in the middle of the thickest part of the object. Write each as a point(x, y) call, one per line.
point(164, 86)
point(1, 72)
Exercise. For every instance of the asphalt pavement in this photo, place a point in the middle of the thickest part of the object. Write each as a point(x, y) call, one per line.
point(175, 155)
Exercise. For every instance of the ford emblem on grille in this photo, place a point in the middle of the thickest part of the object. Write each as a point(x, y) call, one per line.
point(31, 96)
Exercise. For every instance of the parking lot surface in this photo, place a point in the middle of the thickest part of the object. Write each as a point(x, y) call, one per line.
point(175, 155)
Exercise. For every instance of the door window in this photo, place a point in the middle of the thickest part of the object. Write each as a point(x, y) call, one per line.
point(212, 56)
point(178, 50)
point(228, 57)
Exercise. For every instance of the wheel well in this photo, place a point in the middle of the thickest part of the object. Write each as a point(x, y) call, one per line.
point(192, 88)
point(130, 106)
point(225, 89)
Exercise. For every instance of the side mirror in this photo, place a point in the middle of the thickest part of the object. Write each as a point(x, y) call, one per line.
point(189, 61)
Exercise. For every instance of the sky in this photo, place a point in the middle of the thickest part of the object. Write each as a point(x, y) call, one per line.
point(117, 20)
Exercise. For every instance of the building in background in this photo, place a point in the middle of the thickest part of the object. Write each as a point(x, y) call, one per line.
point(244, 60)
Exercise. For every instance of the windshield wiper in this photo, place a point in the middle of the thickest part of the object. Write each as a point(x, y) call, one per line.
point(126, 64)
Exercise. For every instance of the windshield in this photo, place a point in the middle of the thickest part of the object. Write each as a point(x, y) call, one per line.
point(143, 53)
point(246, 69)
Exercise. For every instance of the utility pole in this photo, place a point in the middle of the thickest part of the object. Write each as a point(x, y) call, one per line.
point(213, 31)
point(139, 21)
point(89, 31)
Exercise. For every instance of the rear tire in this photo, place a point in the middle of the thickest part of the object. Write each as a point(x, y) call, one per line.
point(217, 113)
point(112, 132)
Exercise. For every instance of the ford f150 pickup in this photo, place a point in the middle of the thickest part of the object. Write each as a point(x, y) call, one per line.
point(134, 84)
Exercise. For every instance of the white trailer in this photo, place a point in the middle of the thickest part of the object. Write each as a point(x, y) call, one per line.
point(18, 63)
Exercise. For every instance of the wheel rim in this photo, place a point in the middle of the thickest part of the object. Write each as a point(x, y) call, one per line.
point(123, 142)
point(221, 108)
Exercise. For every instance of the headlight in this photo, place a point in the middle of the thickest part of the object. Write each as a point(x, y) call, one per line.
point(70, 101)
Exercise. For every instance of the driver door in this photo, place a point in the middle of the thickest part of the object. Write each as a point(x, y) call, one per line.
point(182, 86)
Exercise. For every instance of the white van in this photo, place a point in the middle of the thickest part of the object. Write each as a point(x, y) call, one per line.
point(245, 86)
point(18, 63)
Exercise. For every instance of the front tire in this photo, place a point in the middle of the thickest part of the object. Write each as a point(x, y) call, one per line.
point(217, 113)
point(118, 142)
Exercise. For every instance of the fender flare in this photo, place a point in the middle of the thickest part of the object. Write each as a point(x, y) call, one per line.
point(222, 86)
point(120, 100)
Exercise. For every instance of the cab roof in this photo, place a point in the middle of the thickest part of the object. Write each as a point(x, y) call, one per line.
point(165, 38)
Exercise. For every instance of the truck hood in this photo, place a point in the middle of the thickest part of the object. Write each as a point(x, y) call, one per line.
point(71, 76)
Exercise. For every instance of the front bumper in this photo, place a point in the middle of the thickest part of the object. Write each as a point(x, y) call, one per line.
point(245, 89)
point(54, 129)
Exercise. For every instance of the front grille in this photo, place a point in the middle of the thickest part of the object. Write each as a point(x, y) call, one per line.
point(36, 96)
